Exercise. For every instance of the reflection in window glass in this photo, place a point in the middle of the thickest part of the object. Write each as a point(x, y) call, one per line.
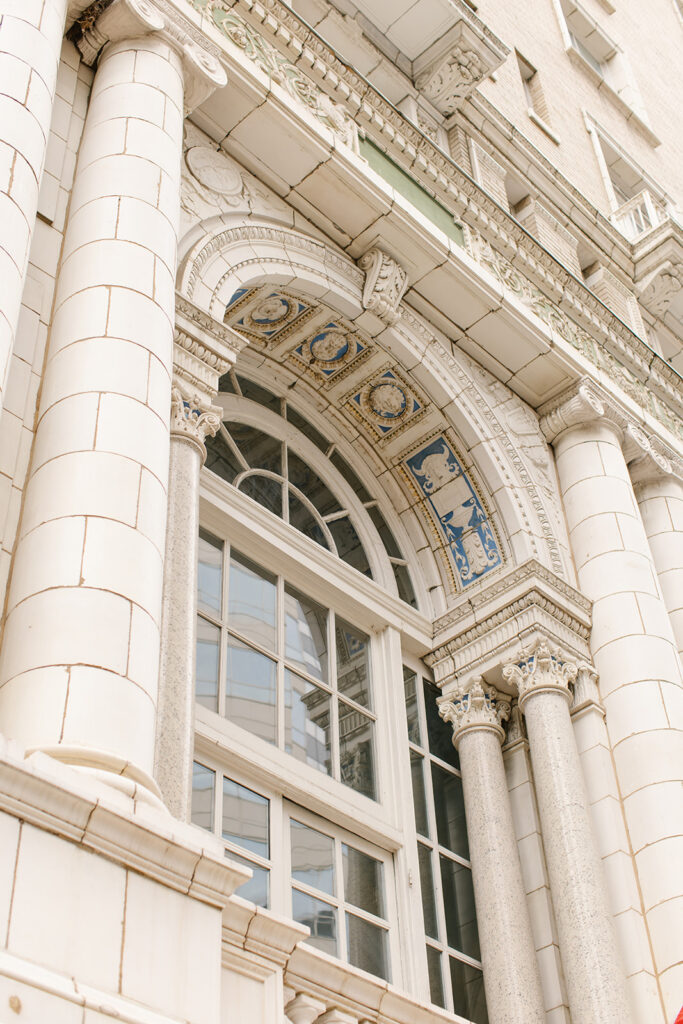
point(449, 808)
point(409, 687)
point(435, 977)
point(320, 917)
point(303, 520)
point(306, 634)
point(209, 573)
point(257, 393)
point(363, 884)
point(250, 690)
point(265, 490)
point(307, 722)
point(404, 585)
point(340, 463)
point(355, 750)
point(440, 733)
point(349, 547)
point(312, 857)
point(206, 672)
point(309, 483)
point(468, 992)
point(259, 450)
point(427, 888)
point(366, 944)
point(353, 663)
point(220, 458)
point(257, 889)
point(307, 429)
point(245, 818)
point(386, 536)
point(419, 795)
point(458, 901)
point(252, 602)
point(203, 789)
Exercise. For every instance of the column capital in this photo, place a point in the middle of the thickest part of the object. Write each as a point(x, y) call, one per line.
point(193, 419)
point(135, 19)
point(474, 706)
point(541, 669)
point(579, 405)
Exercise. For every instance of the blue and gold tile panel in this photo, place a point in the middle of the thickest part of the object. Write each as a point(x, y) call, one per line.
point(265, 314)
point(386, 403)
point(331, 351)
point(456, 506)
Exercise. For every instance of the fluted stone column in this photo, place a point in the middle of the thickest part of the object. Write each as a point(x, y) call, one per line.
point(659, 493)
point(635, 653)
point(511, 977)
point(203, 351)
point(594, 974)
point(80, 659)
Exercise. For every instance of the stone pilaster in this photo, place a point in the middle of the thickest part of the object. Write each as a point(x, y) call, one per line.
point(635, 654)
point(594, 974)
point(203, 351)
point(82, 631)
point(511, 979)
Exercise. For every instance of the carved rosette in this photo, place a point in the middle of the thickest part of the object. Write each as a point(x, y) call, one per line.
point(193, 419)
point(476, 706)
point(385, 284)
point(541, 670)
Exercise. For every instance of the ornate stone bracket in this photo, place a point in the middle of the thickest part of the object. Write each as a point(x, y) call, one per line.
point(447, 72)
point(586, 401)
point(133, 19)
point(385, 284)
point(541, 670)
point(474, 706)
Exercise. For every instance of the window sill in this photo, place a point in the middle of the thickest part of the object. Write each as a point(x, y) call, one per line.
point(540, 123)
point(603, 85)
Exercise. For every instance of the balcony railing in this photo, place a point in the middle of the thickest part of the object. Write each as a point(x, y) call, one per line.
point(640, 214)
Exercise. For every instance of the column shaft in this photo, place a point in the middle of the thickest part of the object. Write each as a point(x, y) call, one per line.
point(30, 45)
point(511, 978)
point(593, 972)
point(640, 673)
point(660, 500)
point(79, 668)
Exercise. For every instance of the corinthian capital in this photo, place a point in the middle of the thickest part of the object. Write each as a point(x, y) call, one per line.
point(541, 670)
point(474, 706)
point(193, 419)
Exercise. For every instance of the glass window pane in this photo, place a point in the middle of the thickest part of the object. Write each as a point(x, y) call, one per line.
point(306, 634)
point(353, 663)
point(203, 789)
point(305, 479)
point(435, 977)
point(320, 917)
point(424, 855)
point(303, 520)
point(261, 451)
point(386, 536)
point(307, 722)
point(302, 424)
point(356, 750)
point(449, 808)
point(208, 650)
point(252, 602)
point(419, 795)
point(251, 690)
point(458, 905)
point(367, 946)
point(410, 690)
point(226, 383)
point(404, 585)
point(245, 818)
point(349, 547)
point(439, 733)
point(209, 573)
point(468, 992)
point(363, 881)
point(312, 857)
point(340, 464)
point(265, 491)
point(257, 393)
point(257, 889)
point(220, 459)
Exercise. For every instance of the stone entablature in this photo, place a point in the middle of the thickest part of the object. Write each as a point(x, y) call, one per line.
point(643, 375)
point(526, 604)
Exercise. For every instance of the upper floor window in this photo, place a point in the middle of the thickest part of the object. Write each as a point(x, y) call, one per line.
point(283, 667)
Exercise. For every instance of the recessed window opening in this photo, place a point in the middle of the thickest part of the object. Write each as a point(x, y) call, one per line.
point(533, 89)
point(272, 473)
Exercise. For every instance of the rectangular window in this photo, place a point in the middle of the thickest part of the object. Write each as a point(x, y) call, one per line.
point(284, 668)
point(453, 955)
point(531, 80)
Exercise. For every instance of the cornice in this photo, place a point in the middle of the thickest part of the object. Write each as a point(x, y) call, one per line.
point(655, 384)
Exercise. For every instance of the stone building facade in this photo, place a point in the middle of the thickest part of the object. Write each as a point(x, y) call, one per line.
point(341, 512)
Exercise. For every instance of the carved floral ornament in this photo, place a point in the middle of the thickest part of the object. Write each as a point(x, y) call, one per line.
point(385, 284)
point(475, 706)
point(193, 418)
point(541, 670)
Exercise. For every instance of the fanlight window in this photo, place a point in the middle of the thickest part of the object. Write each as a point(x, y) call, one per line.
point(268, 470)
